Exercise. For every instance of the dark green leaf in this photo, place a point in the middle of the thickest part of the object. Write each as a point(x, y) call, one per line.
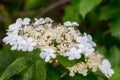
point(115, 56)
point(15, 67)
point(109, 11)
point(115, 27)
point(40, 70)
point(28, 75)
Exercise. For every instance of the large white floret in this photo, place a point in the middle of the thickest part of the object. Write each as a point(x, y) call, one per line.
point(86, 44)
point(106, 69)
point(47, 54)
point(74, 53)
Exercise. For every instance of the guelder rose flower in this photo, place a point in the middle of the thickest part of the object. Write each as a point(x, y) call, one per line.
point(74, 53)
point(47, 54)
point(106, 69)
point(63, 39)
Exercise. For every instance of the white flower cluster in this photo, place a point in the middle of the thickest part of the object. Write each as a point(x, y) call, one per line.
point(17, 41)
point(52, 40)
point(84, 45)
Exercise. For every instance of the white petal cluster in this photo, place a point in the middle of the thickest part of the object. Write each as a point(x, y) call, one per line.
point(68, 23)
point(86, 44)
point(47, 54)
point(106, 69)
point(15, 40)
point(74, 53)
point(43, 21)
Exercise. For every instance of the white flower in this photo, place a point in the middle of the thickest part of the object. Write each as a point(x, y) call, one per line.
point(68, 23)
point(47, 53)
point(86, 50)
point(18, 24)
point(14, 26)
point(10, 39)
point(43, 21)
point(74, 53)
point(18, 43)
point(15, 32)
point(106, 69)
point(28, 45)
point(39, 21)
point(48, 20)
point(26, 21)
point(86, 39)
point(75, 24)
point(86, 44)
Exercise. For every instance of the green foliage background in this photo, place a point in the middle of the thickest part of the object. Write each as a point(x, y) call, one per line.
point(100, 18)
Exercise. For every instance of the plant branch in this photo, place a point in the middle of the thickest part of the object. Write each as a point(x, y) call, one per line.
point(53, 6)
point(42, 11)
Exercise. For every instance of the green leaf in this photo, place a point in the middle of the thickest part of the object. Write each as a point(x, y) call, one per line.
point(40, 70)
point(116, 76)
point(15, 67)
point(28, 75)
point(5, 60)
point(71, 14)
point(115, 56)
point(115, 27)
point(86, 6)
point(109, 11)
point(64, 61)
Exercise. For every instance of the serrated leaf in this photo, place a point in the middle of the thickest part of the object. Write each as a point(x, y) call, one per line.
point(40, 70)
point(71, 14)
point(115, 27)
point(28, 75)
point(116, 75)
point(15, 67)
point(86, 6)
point(64, 61)
point(109, 11)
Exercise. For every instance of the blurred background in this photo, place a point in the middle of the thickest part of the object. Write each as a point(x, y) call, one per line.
point(99, 18)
